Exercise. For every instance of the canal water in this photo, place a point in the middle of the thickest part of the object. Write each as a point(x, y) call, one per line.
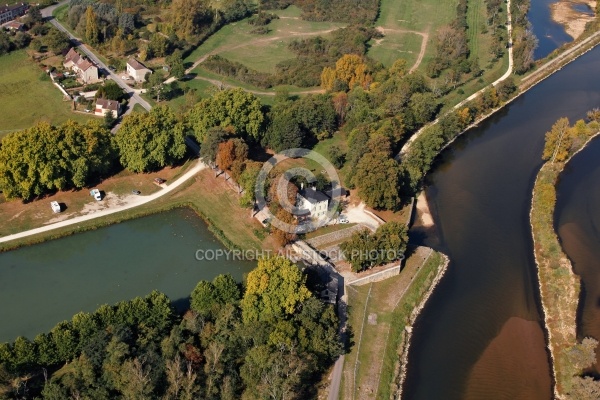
point(550, 34)
point(577, 221)
point(44, 284)
point(481, 334)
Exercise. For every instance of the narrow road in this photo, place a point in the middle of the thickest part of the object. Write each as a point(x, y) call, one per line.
point(134, 98)
point(131, 202)
point(508, 72)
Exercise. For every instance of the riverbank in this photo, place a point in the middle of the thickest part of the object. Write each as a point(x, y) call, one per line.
point(573, 20)
point(559, 286)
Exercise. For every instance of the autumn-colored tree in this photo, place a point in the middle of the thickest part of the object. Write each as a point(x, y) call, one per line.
point(274, 289)
point(558, 141)
point(187, 17)
point(340, 104)
point(349, 69)
point(92, 33)
point(231, 151)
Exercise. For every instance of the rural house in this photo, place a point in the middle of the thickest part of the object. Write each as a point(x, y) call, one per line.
point(86, 70)
point(313, 202)
point(8, 13)
point(137, 70)
point(104, 105)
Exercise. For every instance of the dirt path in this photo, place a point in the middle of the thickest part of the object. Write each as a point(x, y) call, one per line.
point(219, 83)
point(125, 204)
point(425, 39)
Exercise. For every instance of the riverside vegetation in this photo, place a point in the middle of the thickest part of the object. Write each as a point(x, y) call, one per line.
point(559, 286)
point(270, 339)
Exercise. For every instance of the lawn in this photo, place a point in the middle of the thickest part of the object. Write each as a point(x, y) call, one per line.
point(378, 315)
point(424, 16)
point(261, 52)
point(395, 45)
point(26, 99)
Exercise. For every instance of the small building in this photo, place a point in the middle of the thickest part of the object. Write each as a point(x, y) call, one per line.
point(313, 202)
point(86, 70)
point(14, 26)
point(104, 105)
point(137, 70)
point(55, 207)
point(10, 12)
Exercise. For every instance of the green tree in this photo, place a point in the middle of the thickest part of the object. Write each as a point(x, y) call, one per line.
point(210, 145)
point(150, 141)
point(232, 107)
point(109, 119)
point(423, 107)
point(175, 62)
point(56, 41)
point(274, 289)
point(110, 90)
point(247, 181)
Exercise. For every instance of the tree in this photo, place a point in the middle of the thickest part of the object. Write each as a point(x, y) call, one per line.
point(231, 151)
point(5, 43)
point(247, 181)
point(336, 156)
point(284, 132)
point(156, 83)
point(558, 141)
point(150, 141)
point(377, 176)
point(232, 107)
point(175, 62)
point(274, 289)
point(423, 107)
point(188, 17)
point(350, 70)
point(110, 90)
point(210, 145)
point(92, 33)
point(109, 119)
point(56, 41)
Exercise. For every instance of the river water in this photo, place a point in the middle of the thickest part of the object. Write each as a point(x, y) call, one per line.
point(550, 34)
point(44, 284)
point(577, 221)
point(480, 335)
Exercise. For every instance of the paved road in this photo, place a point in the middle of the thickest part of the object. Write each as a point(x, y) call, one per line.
point(131, 202)
point(134, 97)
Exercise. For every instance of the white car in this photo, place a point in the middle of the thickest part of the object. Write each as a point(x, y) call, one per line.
point(343, 220)
point(95, 193)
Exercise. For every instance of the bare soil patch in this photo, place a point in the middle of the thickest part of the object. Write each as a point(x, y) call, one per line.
point(573, 20)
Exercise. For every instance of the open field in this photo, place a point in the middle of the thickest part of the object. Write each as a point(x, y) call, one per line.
point(210, 197)
point(423, 16)
point(378, 316)
point(395, 45)
point(26, 99)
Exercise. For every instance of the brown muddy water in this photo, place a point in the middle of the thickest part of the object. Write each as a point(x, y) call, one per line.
point(481, 334)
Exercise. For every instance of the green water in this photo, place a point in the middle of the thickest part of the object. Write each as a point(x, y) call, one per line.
point(44, 284)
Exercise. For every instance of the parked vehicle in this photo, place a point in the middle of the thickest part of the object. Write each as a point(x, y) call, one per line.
point(343, 220)
point(95, 193)
point(159, 181)
point(55, 207)
point(136, 192)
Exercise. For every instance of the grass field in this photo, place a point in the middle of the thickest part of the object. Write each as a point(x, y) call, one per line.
point(378, 316)
point(26, 99)
point(395, 45)
point(423, 16)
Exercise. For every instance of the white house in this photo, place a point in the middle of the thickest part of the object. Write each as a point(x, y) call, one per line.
point(313, 201)
point(86, 70)
point(137, 70)
point(104, 105)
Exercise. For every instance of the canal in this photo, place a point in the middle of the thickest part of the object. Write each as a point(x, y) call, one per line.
point(43, 284)
point(481, 333)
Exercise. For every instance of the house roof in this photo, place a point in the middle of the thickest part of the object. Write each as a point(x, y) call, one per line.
point(313, 195)
point(72, 55)
point(84, 64)
point(135, 64)
point(7, 7)
point(13, 25)
point(107, 104)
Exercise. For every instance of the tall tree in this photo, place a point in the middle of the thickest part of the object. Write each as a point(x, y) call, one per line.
point(92, 32)
point(150, 141)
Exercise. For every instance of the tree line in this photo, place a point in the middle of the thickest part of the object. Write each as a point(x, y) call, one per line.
point(271, 338)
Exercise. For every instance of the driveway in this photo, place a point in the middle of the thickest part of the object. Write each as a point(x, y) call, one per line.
point(358, 214)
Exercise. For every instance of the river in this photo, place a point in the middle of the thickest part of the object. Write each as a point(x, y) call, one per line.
point(577, 221)
point(44, 284)
point(550, 34)
point(481, 334)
